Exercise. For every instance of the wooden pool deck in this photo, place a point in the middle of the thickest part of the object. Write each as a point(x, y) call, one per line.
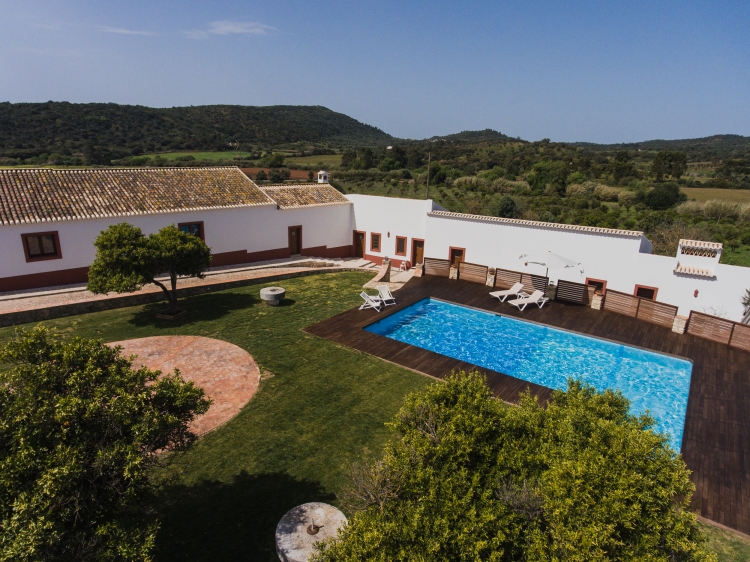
point(716, 441)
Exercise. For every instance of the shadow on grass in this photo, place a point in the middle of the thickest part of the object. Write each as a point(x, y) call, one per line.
point(200, 308)
point(230, 521)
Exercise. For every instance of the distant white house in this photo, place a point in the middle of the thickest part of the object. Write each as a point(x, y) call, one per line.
point(49, 220)
point(322, 176)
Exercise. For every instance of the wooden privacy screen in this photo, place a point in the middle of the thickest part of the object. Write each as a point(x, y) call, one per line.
point(506, 278)
point(719, 330)
point(637, 307)
point(574, 292)
point(433, 266)
point(472, 272)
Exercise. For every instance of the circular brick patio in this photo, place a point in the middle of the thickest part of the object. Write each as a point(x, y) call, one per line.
point(227, 373)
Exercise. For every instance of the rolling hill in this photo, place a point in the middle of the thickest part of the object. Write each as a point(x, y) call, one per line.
point(30, 129)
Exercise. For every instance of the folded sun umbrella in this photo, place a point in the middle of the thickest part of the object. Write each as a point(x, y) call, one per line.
point(549, 260)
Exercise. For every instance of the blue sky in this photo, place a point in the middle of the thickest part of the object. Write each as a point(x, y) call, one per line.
point(594, 71)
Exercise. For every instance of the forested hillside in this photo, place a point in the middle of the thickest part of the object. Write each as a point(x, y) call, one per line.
point(704, 149)
point(31, 129)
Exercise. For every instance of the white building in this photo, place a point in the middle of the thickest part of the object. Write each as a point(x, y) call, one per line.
point(50, 218)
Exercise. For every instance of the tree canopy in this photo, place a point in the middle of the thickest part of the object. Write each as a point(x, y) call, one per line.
point(79, 431)
point(467, 477)
point(126, 259)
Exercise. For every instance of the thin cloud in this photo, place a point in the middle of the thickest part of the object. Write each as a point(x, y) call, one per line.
point(122, 31)
point(228, 27)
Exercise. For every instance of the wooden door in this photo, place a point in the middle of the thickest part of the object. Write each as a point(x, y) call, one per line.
point(457, 256)
point(417, 252)
point(295, 240)
point(359, 244)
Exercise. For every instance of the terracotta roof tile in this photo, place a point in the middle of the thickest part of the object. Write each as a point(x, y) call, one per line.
point(44, 195)
point(305, 195)
point(538, 224)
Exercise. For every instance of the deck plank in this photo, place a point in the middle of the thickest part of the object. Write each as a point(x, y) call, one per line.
point(716, 440)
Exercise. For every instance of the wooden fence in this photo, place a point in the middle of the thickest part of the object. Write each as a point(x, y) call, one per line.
point(719, 330)
point(472, 272)
point(434, 266)
point(574, 292)
point(637, 307)
point(506, 278)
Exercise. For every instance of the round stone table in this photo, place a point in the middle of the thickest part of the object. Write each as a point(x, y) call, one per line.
point(294, 543)
point(272, 295)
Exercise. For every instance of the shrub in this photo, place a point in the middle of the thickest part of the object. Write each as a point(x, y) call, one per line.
point(507, 208)
point(626, 198)
point(664, 196)
point(606, 193)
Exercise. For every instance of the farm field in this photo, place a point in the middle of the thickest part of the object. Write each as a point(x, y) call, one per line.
point(708, 193)
point(326, 159)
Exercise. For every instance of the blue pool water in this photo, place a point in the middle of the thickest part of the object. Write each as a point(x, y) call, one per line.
point(547, 356)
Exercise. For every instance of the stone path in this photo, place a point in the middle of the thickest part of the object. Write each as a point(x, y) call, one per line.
point(227, 373)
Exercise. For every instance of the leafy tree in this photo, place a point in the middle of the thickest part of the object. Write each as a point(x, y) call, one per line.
point(276, 176)
point(275, 160)
point(126, 260)
point(546, 173)
point(664, 196)
point(261, 175)
point(507, 208)
point(469, 478)
point(622, 167)
point(97, 155)
point(348, 158)
point(736, 171)
point(310, 175)
point(79, 432)
point(669, 163)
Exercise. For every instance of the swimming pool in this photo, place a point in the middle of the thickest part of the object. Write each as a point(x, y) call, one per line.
point(547, 356)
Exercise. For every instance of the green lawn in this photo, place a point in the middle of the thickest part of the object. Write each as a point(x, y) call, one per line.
point(324, 404)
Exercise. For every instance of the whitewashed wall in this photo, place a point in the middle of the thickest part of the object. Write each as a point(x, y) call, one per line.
point(400, 217)
point(622, 261)
point(254, 229)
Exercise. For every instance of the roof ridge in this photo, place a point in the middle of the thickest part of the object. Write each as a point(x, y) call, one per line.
point(543, 224)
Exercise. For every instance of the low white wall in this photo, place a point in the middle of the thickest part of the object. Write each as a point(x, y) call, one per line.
point(400, 217)
point(619, 260)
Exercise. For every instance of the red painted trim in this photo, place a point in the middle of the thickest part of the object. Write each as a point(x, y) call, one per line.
point(202, 231)
point(374, 259)
point(58, 250)
point(602, 281)
point(326, 252)
point(406, 242)
point(655, 289)
point(46, 279)
point(380, 242)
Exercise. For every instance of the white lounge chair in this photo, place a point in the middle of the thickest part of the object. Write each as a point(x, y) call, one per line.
point(370, 302)
point(385, 295)
point(537, 297)
point(515, 290)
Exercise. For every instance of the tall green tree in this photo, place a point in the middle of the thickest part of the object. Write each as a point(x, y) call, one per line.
point(468, 478)
point(126, 260)
point(80, 430)
point(670, 163)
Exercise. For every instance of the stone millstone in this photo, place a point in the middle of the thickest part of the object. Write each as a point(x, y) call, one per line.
point(272, 295)
point(293, 542)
